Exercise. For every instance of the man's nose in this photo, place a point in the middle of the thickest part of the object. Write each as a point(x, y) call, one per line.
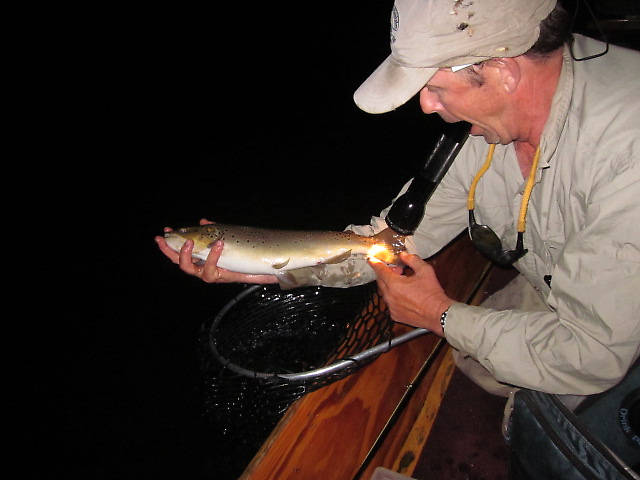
point(429, 101)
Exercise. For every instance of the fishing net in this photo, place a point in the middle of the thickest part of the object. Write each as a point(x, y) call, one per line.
point(267, 348)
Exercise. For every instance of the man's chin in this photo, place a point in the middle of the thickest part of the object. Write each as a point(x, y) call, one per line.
point(489, 137)
point(476, 130)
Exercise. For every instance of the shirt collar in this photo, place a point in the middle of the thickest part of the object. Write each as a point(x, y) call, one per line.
point(558, 112)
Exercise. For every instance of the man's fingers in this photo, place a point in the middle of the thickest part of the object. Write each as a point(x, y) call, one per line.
point(185, 261)
point(211, 270)
point(168, 251)
point(412, 261)
point(215, 252)
point(380, 268)
point(384, 274)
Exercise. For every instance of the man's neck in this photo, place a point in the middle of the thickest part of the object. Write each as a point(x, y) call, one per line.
point(534, 104)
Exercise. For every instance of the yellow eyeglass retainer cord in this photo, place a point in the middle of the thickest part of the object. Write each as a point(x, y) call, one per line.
point(527, 190)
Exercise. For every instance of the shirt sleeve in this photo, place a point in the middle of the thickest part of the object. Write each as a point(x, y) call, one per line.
point(591, 336)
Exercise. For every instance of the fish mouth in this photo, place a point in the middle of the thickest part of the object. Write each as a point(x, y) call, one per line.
point(174, 240)
point(183, 233)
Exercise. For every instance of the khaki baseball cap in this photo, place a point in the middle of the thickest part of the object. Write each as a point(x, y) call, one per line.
point(430, 34)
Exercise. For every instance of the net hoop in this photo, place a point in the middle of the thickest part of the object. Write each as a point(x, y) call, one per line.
point(305, 376)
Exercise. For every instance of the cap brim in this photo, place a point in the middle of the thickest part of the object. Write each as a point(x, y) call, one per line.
point(390, 86)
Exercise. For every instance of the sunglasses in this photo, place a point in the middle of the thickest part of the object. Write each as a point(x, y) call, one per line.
point(483, 237)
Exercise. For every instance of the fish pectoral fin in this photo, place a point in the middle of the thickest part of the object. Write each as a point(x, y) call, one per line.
point(280, 265)
point(338, 258)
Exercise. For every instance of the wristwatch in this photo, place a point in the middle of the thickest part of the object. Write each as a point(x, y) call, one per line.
point(443, 319)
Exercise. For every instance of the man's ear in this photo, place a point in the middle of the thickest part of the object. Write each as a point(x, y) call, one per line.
point(508, 71)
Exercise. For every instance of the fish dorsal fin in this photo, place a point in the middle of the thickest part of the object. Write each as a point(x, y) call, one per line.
point(339, 258)
point(280, 265)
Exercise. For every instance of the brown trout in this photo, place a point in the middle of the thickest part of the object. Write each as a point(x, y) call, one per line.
point(265, 251)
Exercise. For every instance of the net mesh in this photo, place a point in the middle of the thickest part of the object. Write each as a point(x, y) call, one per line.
point(265, 329)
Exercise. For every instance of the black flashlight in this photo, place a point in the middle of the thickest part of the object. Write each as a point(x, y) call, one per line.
point(407, 211)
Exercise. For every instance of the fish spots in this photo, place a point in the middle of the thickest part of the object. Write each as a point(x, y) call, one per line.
point(211, 232)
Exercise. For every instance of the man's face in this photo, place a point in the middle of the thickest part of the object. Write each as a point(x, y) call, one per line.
point(455, 97)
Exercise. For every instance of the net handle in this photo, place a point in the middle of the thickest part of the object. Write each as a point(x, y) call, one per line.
point(309, 374)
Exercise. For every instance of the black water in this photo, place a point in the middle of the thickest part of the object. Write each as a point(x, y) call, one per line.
point(237, 116)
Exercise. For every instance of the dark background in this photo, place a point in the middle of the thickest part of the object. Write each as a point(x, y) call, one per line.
point(241, 114)
point(238, 114)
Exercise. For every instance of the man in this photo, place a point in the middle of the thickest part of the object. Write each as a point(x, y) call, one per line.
point(569, 127)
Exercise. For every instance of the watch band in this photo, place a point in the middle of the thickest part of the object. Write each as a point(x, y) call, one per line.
point(443, 319)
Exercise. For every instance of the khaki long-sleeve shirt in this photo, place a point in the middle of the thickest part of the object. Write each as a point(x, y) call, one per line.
point(583, 229)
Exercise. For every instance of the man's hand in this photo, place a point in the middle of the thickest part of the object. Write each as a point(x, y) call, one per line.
point(416, 299)
point(209, 271)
